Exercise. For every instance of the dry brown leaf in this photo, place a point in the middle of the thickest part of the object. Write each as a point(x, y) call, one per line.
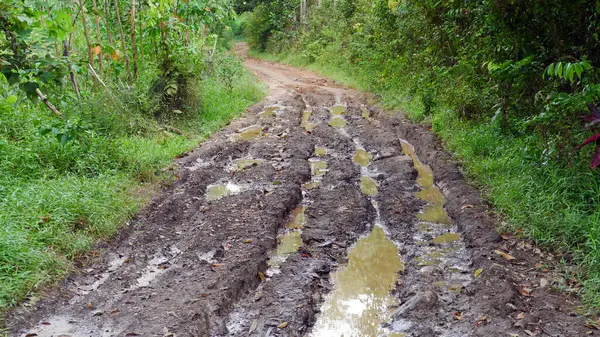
point(521, 315)
point(525, 291)
point(506, 256)
point(283, 325)
point(458, 316)
point(97, 50)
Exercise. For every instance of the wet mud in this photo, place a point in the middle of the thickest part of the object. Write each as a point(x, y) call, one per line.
point(314, 214)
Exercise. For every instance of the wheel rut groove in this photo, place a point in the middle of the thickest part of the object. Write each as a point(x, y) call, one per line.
point(199, 259)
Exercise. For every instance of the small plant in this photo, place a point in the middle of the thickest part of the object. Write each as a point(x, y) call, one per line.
point(593, 119)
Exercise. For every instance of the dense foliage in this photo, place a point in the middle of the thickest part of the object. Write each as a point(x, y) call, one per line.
point(504, 82)
point(96, 98)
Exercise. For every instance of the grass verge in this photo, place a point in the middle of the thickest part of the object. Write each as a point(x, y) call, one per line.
point(554, 204)
point(57, 200)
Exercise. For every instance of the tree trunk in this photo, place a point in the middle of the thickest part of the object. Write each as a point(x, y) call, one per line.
point(108, 37)
point(133, 42)
point(122, 39)
point(141, 38)
point(72, 76)
point(86, 33)
point(99, 37)
point(163, 37)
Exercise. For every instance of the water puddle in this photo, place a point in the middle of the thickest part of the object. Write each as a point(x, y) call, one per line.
point(362, 157)
point(216, 192)
point(320, 151)
point(365, 112)
point(298, 218)
point(289, 240)
point(306, 123)
point(361, 300)
point(311, 186)
point(288, 244)
point(434, 212)
point(318, 167)
point(368, 186)
point(270, 111)
point(247, 133)
point(338, 110)
point(337, 122)
point(242, 164)
point(446, 238)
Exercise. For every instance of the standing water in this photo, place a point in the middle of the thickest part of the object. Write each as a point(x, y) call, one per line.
point(361, 301)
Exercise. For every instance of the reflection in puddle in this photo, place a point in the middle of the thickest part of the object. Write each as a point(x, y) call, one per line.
point(320, 151)
point(368, 186)
point(216, 192)
point(311, 186)
point(365, 112)
point(306, 124)
point(269, 111)
point(362, 157)
point(361, 300)
point(434, 212)
point(290, 241)
point(288, 244)
point(298, 218)
point(241, 164)
point(337, 122)
point(338, 110)
point(247, 133)
point(446, 238)
point(318, 167)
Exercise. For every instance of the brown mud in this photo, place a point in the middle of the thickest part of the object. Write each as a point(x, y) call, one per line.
point(315, 214)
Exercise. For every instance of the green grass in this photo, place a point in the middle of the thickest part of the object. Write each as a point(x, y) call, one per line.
point(57, 201)
point(555, 204)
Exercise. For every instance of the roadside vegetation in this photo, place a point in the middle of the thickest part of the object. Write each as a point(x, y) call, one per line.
point(504, 84)
point(96, 100)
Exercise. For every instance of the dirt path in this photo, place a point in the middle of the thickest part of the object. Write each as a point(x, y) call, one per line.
point(313, 215)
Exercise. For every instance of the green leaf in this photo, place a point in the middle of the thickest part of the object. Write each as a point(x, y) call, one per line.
point(579, 70)
point(12, 99)
point(559, 70)
point(550, 70)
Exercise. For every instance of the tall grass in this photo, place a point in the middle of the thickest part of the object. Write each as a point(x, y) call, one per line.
point(57, 200)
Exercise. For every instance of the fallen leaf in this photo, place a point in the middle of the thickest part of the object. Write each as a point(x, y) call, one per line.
point(115, 312)
point(506, 256)
point(525, 291)
point(544, 282)
point(283, 325)
point(521, 315)
point(204, 295)
point(216, 265)
point(248, 241)
point(262, 276)
point(481, 320)
point(253, 326)
point(458, 316)
point(478, 272)
point(90, 305)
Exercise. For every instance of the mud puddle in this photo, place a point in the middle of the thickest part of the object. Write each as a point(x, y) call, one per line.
point(361, 298)
point(247, 133)
point(434, 212)
point(218, 191)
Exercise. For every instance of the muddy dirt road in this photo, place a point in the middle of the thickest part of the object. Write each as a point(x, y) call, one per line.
point(316, 214)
